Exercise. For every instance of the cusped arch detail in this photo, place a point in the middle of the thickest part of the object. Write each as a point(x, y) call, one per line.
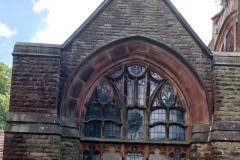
point(135, 49)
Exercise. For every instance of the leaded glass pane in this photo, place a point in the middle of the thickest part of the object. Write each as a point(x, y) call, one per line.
point(141, 92)
point(94, 111)
point(168, 96)
point(91, 155)
point(177, 156)
point(118, 85)
point(158, 132)
point(176, 133)
point(135, 123)
point(136, 70)
point(178, 103)
point(103, 92)
point(176, 116)
point(93, 129)
point(111, 130)
point(134, 156)
point(157, 102)
point(153, 86)
point(156, 76)
point(112, 112)
point(158, 116)
point(130, 92)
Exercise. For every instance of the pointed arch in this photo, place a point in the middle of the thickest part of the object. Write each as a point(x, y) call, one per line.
point(230, 22)
point(142, 50)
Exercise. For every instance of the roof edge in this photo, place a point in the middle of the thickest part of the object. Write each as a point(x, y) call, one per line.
point(189, 29)
point(87, 22)
point(29, 44)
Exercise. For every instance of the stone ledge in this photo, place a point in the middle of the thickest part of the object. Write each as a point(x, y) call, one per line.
point(228, 136)
point(69, 122)
point(33, 118)
point(70, 132)
point(226, 58)
point(37, 128)
point(36, 54)
point(226, 126)
point(37, 123)
point(37, 49)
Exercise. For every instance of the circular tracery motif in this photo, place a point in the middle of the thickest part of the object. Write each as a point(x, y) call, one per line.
point(167, 95)
point(136, 70)
point(103, 92)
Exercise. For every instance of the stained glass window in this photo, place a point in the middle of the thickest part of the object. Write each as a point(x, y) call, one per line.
point(130, 92)
point(103, 92)
point(102, 117)
point(111, 130)
point(93, 129)
point(168, 95)
point(153, 86)
point(135, 124)
point(136, 70)
point(91, 155)
point(158, 115)
point(134, 156)
point(135, 103)
point(94, 111)
point(176, 116)
point(112, 112)
point(176, 133)
point(141, 92)
point(158, 132)
point(177, 155)
point(230, 41)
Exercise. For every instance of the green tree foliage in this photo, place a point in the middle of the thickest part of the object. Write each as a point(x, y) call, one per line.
point(5, 82)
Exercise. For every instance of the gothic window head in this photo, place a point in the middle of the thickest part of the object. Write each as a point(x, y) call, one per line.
point(135, 103)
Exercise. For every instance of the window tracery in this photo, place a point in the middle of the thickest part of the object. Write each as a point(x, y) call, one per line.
point(135, 103)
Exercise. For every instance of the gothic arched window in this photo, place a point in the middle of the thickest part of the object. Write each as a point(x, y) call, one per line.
point(135, 104)
point(230, 40)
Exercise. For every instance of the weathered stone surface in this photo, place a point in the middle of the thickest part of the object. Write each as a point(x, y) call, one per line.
point(70, 149)
point(226, 150)
point(120, 19)
point(41, 75)
point(30, 146)
point(35, 84)
point(201, 151)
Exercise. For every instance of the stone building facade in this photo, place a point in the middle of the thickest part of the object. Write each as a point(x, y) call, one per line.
point(134, 82)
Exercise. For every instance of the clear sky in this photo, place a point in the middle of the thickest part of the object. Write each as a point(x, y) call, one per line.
point(53, 21)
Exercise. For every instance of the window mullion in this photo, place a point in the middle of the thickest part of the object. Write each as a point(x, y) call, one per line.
point(148, 112)
point(167, 123)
